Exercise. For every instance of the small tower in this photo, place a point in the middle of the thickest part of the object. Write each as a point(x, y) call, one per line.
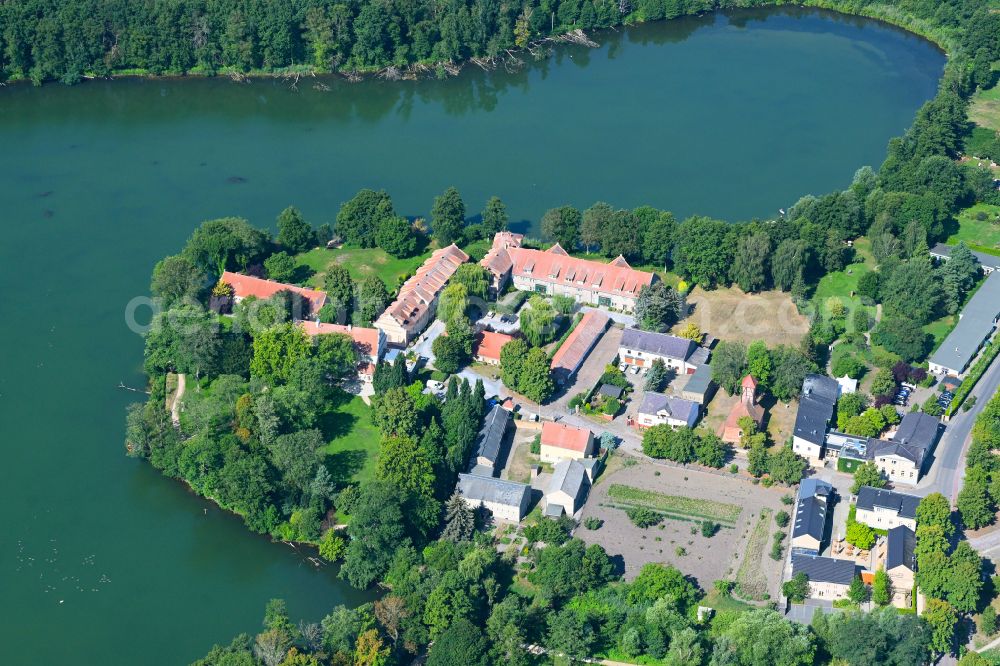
point(749, 394)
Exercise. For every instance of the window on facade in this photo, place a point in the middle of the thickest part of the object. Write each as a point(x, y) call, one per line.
point(540, 289)
point(604, 300)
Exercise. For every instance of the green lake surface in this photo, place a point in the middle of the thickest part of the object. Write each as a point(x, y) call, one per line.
point(104, 561)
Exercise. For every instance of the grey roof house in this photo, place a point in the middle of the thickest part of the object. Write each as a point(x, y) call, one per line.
point(810, 516)
point(641, 348)
point(816, 406)
point(699, 386)
point(900, 545)
point(822, 570)
point(976, 324)
point(658, 408)
point(490, 438)
point(901, 504)
point(568, 486)
point(507, 500)
point(988, 262)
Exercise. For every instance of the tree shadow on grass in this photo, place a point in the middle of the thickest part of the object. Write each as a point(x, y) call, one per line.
point(336, 424)
point(345, 465)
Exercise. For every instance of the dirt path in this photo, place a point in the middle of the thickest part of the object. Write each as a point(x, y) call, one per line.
point(175, 407)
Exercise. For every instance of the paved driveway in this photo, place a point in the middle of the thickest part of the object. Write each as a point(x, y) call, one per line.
point(601, 354)
point(422, 345)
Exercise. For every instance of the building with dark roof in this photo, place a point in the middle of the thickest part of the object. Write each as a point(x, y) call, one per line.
point(817, 403)
point(810, 516)
point(659, 409)
point(568, 487)
point(699, 387)
point(895, 554)
point(885, 509)
point(490, 438)
point(611, 391)
point(506, 500)
point(975, 326)
point(903, 458)
point(829, 579)
point(641, 348)
point(987, 262)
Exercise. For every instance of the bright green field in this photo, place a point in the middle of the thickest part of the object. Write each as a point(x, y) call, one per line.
point(985, 109)
point(841, 284)
point(361, 262)
point(981, 235)
point(354, 440)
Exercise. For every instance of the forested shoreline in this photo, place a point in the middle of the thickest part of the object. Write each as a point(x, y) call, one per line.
point(46, 40)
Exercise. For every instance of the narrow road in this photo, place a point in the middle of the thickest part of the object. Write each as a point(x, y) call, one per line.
point(948, 468)
point(175, 406)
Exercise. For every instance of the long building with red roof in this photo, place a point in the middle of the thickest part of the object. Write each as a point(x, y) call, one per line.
point(245, 286)
point(416, 303)
point(550, 272)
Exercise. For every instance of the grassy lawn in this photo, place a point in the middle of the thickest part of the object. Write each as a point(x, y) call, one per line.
point(750, 580)
point(353, 439)
point(723, 603)
point(848, 466)
point(840, 285)
point(361, 262)
point(981, 235)
point(675, 505)
point(940, 328)
point(985, 108)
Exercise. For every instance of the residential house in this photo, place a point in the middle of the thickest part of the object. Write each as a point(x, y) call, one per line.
point(902, 458)
point(817, 403)
point(975, 327)
point(895, 555)
point(370, 343)
point(416, 302)
point(886, 509)
point(246, 286)
point(987, 262)
point(730, 431)
point(699, 386)
point(553, 271)
point(565, 442)
point(641, 348)
point(506, 500)
point(568, 487)
point(811, 509)
point(490, 439)
point(570, 355)
point(660, 409)
point(488, 345)
point(829, 579)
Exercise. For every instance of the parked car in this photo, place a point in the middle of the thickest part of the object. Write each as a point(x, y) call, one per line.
point(635, 369)
point(623, 367)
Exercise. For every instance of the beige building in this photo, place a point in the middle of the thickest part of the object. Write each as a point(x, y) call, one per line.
point(886, 509)
point(894, 554)
point(507, 500)
point(416, 302)
point(829, 579)
point(567, 489)
point(553, 271)
point(565, 442)
point(641, 348)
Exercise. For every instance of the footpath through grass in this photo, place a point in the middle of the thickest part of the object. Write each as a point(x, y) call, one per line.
point(751, 583)
point(674, 506)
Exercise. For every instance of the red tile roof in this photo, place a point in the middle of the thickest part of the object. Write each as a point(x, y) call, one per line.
point(554, 266)
point(578, 344)
point(247, 285)
point(562, 436)
point(366, 339)
point(419, 291)
point(489, 344)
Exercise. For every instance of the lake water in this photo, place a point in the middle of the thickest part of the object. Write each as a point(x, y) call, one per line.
point(104, 561)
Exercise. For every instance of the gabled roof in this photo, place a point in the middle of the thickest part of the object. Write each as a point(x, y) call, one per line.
point(988, 260)
point(245, 286)
point(900, 544)
point(905, 506)
point(365, 339)
point(812, 487)
point(810, 518)
point(417, 293)
point(497, 261)
point(488, 344)
point(749, 382)
point(568, 476)
point(610, 391)
point(659, 344)
point(562, 436)
point(556, 267)
point(699, 382)
point(816, 405)
point(575, 348)
point(491, 435)
point(676, 408)
point(824, 569)
point(976, 322)
point(493, 490)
